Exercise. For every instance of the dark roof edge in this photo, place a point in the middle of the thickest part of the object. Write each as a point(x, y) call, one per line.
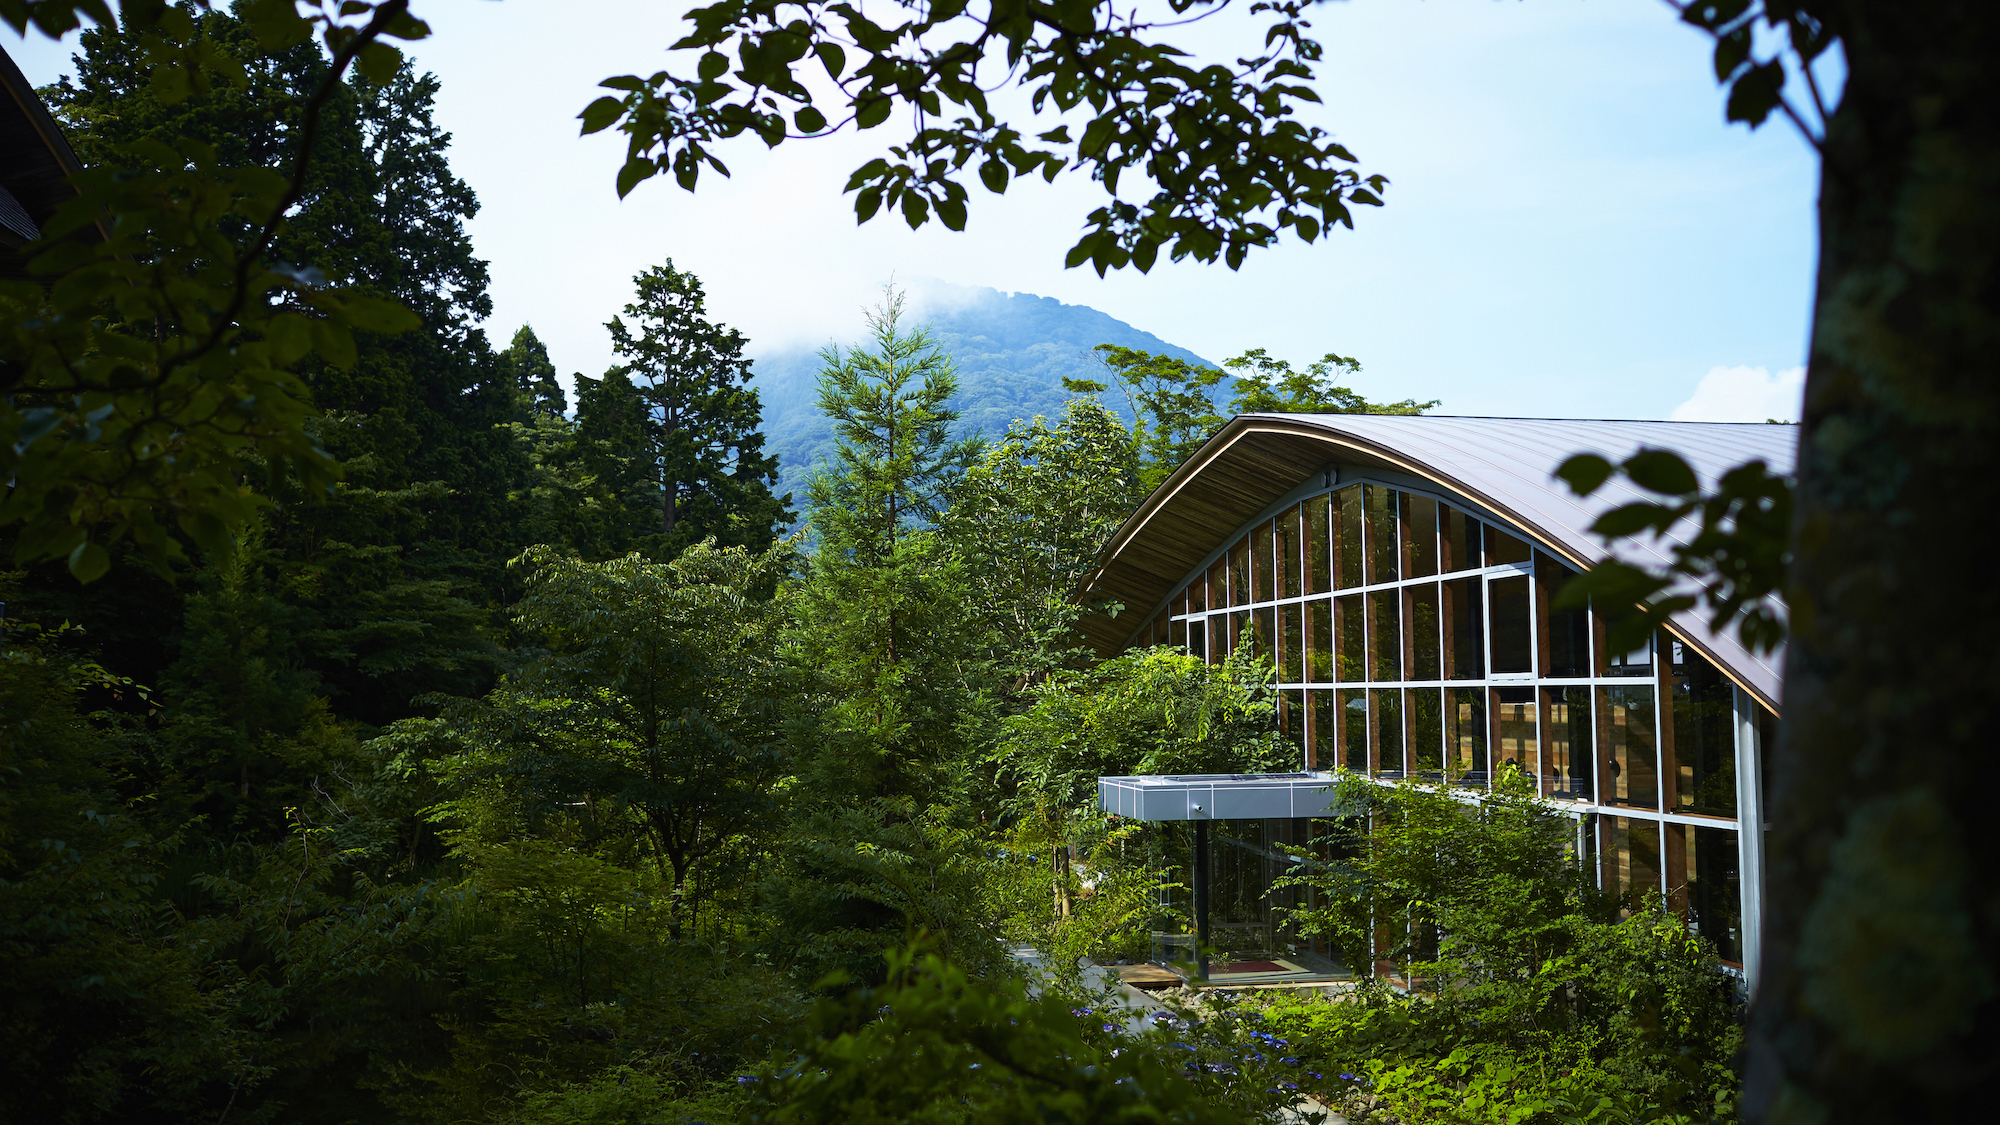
point(31, 107)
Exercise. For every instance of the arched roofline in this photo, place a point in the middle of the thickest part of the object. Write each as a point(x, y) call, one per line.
point(1254, 461)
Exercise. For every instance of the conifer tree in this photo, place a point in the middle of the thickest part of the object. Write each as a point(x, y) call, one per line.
point(527, 359)
point(702, 422)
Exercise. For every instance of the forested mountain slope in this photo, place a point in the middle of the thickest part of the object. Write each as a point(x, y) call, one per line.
point(1013, 352)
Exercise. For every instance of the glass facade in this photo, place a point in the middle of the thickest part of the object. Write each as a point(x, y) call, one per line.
point(1416, 638)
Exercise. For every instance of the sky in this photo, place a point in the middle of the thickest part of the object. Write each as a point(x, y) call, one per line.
point(1571, 229)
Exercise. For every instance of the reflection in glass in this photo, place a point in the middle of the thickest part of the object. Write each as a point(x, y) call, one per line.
point(1293, 667)
point(1383, 546)
point(1714, 890)
point(1420, 541)
point(1197, 594)
point(1265, 622)
point(1177, 635)
point(1568, 630)
point(1385, 638)
point(1625, 722)
point(1513, 632)
point(1347, 538)
point(1388, 731)
point(1464, 617)
point(1421, 613)
point(1637, 664)
point(1514, 727)
point(1288, 553)
point(1567, 772)
point(1465, 736)
point(1218, 583)
point(1352, 648)
point(1704, 736)
point(1292, 723)
point(1504, 548)
point(1239, 572)
point(1325, 741)
point(1354, 729)
point(1634, 855)
point(1319, 659)
point(1262, 552)
point(1427, 732)
point(1318, 572)
point(1197, 638)
point(1458, 536)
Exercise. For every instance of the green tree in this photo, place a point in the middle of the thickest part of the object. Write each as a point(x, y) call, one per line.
point(527, 360)
point(1029, 519)
point(705, 448)
point(652, 710)
point(1270, 386)
point(1173, 402)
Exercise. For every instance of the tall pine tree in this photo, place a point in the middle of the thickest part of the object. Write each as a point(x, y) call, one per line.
point(702, 422)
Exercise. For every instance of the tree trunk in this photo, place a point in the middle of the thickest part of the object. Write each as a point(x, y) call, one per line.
point(1877, 995)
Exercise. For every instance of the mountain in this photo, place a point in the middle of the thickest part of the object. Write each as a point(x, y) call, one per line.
point(1013, 352)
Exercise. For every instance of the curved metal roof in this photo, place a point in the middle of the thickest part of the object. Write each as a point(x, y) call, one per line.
point(1506, 465)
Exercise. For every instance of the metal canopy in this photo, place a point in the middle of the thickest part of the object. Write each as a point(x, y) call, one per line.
point(1217, 796)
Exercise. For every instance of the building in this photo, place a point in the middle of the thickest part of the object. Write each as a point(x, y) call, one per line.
point(35, 168)
point(1401, 570)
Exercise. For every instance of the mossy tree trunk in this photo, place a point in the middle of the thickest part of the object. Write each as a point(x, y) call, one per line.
point(1877, 999)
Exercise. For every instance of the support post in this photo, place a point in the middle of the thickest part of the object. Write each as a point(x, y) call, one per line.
point(1201, 897)
point(1750, 832)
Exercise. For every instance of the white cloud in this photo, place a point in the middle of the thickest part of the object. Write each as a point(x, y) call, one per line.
point(1744, 394)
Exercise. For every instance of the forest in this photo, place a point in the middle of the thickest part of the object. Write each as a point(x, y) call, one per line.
point(468, 751)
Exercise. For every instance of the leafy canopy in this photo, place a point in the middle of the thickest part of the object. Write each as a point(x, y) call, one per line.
point(1230, 167)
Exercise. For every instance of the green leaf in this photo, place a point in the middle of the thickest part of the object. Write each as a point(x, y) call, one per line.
point(1661, 470)
point(635, 170)
point(376, 314)
point(993, 174)
point(1629, 519)
point(601, 114)
point(378, 62)
point(872, 111)
point(89, 561)
point(832, 57)
point(1756, 93)
point(809, 120)
point(1585, 473)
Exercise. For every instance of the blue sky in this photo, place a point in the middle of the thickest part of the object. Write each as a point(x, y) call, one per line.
point(1571, 229)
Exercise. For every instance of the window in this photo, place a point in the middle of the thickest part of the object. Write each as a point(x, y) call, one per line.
point(1459, 539)
point(1513, 627)
point(1197, 638)
point(1288, 554)
point(1292, 668)
point(1318, 558)
point(1354, 729)
point(1347, 538)
point(1566, 773)
point(1420, 539)
point(1464, 618)
point(1566, 632)
point(1384, 636)
point(1388, 731)
point(1704, 736)
point(1712, 887)
point(1347, 614)
point(1625, 722)
point(1427, 733)
point(1632, 852)
point(1383, 546)
point(1239, 572)
point(1515, 741)
point(1502, 548)
point(1197, 594)
point(1465, 736)
point(1420, 613)
point(1319, 623)
point(1263, 552)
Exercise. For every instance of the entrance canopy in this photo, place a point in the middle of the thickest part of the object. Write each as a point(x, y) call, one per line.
point(1217, 796)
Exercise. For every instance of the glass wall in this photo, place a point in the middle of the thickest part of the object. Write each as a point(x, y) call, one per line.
point(1414, 637)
